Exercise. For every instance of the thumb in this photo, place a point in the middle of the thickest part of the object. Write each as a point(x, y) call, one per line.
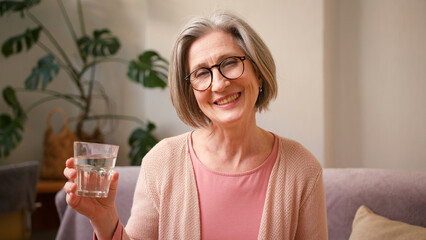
point(72, 200)
point(114, 183)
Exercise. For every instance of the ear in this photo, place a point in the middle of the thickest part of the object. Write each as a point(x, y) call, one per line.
point(259, 80)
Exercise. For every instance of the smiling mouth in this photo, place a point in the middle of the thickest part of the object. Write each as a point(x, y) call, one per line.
point(229, 99)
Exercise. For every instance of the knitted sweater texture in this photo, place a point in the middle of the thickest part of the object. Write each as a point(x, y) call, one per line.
point(166, 205)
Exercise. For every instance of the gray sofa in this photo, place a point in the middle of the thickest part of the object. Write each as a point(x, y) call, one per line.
point(398, 195)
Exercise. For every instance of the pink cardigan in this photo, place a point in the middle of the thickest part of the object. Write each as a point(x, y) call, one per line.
point(165, 204)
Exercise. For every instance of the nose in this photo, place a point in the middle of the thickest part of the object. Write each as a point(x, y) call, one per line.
point(219, 82)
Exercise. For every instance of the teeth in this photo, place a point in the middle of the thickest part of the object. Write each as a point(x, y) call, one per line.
point(228, 99)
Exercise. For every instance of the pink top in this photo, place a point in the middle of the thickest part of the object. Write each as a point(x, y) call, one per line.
point(231, 205)
point(166, 202)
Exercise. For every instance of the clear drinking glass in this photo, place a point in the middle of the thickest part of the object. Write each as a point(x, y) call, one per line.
point(94, 163)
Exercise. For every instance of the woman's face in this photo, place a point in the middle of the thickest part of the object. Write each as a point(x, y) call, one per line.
point(226, 102)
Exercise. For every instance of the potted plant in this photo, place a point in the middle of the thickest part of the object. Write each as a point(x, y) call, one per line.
point(149, 69)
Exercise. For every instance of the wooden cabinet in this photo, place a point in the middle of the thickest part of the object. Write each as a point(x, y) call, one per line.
point(45, 216)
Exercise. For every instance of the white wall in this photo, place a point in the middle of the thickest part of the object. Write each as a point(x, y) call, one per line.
point(292, 30)
point(376, 82)
point(351, 74)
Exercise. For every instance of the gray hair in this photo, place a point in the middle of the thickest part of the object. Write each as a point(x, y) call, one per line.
point(181, 93)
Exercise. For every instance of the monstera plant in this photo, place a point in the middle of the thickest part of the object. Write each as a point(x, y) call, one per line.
point(148, 69)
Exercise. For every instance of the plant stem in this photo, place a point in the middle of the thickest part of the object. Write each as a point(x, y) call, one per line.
point(67, 20)
point(49, 98)
point(81, 17)
point(71, 72)
point(120, 117)
point(47, 91)
point(52, 39)
point(75, 77)
point(47, 50)
point(89, 93)
point(103, 60)
point(71, 28)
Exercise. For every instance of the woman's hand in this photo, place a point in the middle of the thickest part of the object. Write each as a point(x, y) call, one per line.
point(101, 211)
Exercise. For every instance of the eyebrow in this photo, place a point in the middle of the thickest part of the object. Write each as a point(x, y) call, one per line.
point(218, 60)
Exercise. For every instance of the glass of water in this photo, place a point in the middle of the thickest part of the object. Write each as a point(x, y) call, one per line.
point(94, 163)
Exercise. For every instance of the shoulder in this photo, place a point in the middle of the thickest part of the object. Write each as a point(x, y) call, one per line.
point(166, 157)
point(165, 151)
point(297, 162)
point(162, 168)
point(166, 168)
point(296, 155)
point(300, 169)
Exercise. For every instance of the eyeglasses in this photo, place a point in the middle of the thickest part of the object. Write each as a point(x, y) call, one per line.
point(230, 68)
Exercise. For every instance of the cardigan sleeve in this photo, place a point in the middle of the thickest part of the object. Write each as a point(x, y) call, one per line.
point(117, 233)
point(312, 223)
point(165, 185)
point(143, 221)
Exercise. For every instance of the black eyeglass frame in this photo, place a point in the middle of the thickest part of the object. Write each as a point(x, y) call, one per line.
point(242, 58)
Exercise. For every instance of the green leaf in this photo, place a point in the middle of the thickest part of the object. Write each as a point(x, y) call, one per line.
point(16, 6)
point(141, 141)
point(102, 44)
point(15, 44)
point(46, 67)
point(10, 98)
point(10, 134)
point(150, 70)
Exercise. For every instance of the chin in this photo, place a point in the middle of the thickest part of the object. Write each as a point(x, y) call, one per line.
point(229, 120)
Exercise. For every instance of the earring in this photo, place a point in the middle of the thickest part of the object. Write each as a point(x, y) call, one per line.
point(261, 89)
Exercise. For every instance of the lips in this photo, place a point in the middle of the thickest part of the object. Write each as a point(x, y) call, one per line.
point(228, 99)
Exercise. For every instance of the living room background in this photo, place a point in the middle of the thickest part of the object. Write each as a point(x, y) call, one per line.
point(351, 74)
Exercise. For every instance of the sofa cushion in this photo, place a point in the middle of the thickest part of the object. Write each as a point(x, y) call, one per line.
point(370, 226)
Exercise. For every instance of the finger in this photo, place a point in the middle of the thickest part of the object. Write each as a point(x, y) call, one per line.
point(70, 173)
point(113, 185)
point(70, 187)
point(114, 180)
point(72, 199)
point(69, 163)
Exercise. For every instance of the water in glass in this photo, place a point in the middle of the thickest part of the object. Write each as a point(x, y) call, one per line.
point(94, 175)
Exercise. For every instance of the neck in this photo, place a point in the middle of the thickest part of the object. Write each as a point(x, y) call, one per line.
point(232, 148)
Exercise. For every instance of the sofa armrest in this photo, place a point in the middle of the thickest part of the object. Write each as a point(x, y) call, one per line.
point(76, 226)
point(398, 195)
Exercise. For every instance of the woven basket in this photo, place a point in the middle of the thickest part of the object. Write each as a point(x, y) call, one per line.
point(96, 136)
point(57, 148)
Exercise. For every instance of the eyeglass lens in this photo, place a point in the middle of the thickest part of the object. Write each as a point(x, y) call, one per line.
point(230, 68)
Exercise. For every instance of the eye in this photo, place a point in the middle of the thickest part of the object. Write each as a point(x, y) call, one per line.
point(229, 62)
point(201, 73)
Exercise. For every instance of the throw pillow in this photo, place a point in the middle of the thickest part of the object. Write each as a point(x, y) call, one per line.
point(370, 226)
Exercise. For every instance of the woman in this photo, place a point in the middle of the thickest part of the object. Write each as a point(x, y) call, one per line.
point(227, 179)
